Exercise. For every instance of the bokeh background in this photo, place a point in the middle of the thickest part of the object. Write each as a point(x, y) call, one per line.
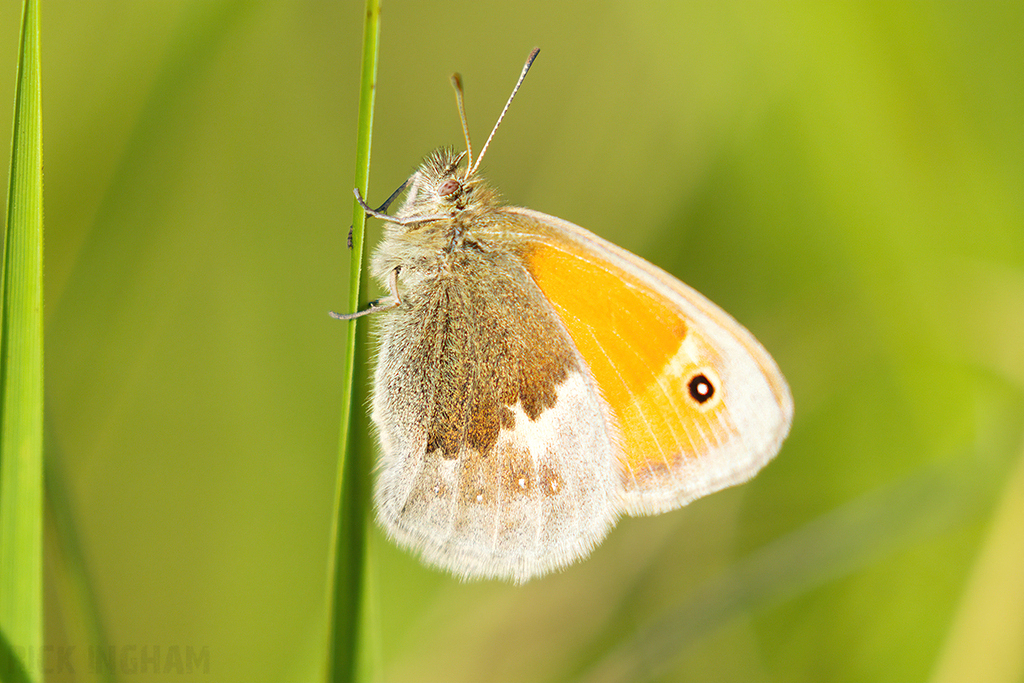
point(847, 179)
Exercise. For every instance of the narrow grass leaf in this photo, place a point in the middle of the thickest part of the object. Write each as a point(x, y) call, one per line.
point(21, 375)
point(346, 578)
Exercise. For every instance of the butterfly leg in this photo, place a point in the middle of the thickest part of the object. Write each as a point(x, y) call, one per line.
point(380, 209)
point(383, 304)
point(409, 220)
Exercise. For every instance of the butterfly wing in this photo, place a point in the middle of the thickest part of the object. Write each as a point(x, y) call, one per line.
point(495, 455)
point(697, 402)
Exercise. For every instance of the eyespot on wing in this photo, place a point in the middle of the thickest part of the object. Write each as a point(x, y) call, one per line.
point(699, 404)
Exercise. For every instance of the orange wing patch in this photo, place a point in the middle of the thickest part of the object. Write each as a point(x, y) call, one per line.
point(644, 356)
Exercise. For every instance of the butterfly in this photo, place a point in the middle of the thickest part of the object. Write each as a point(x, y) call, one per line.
point(535, 382)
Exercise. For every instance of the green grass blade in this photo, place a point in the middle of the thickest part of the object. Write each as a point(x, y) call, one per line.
point(346, 577)
point(21, 375)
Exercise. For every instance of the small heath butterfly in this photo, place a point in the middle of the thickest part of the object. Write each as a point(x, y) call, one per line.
point(535, 382)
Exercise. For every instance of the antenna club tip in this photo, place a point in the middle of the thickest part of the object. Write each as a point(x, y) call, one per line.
point(501, 116)
point(529, 62)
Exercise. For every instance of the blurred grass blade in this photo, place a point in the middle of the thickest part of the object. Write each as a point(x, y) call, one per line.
point(925, 505)
point(21, 375)
point(347, 587)
point(986, 641)
point(78, 613)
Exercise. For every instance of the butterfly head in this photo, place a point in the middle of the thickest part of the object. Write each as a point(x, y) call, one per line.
point(443, 187)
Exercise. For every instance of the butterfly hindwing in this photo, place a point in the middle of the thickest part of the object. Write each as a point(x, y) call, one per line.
point(484, 409)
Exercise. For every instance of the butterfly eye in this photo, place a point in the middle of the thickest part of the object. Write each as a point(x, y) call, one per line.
point(702, 388)
point(449, 189)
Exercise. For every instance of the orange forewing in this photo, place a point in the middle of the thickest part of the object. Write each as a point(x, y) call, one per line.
point(633, 340)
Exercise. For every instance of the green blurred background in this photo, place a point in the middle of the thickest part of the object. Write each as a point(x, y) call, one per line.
point(846, 179)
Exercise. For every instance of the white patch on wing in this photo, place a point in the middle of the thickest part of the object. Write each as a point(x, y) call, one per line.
point(543, 497)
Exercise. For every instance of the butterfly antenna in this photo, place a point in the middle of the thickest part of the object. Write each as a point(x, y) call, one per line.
point(522, 76)
point(457, 84)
